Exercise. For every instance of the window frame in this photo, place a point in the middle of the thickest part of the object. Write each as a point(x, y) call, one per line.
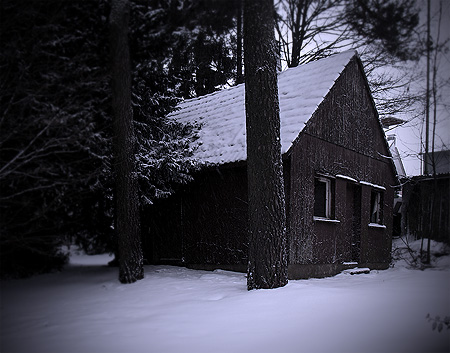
point(376, 207)
point(328, 202)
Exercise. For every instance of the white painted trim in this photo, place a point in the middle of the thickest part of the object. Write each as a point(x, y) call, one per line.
point(376, 225)
point(328, 196)
point(325, 175)
point(321, 219)
point(372, 185)
point(346, 178)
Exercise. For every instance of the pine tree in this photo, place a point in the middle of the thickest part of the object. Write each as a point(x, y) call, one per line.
point(202, 45)
point(56, 157)
point(387, 24)
point(54, 136)
point(267, 267)
point(131, 267)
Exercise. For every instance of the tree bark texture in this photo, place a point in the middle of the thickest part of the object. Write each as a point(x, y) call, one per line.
point(131, 266)
point(267, 267)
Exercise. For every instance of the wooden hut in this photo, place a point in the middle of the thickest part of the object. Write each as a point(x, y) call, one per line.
point(338, 173)
point(425, 210)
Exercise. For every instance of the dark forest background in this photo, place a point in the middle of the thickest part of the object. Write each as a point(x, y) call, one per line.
point(56, 160)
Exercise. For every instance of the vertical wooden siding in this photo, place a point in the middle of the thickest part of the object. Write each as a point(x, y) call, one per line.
point(343, 137)
point(422, 218)
point(215, 218)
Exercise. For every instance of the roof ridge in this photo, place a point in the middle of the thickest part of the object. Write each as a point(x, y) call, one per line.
point(332, 56)
point(354, 51)
point(221, 114)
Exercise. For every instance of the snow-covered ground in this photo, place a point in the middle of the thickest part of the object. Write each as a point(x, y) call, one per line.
point(85, 309)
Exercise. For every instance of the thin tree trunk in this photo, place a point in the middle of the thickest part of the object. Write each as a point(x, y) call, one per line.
point(427, 101)
point(267, 267)
point(131, 266)
point(298, 33)
point(433, 139)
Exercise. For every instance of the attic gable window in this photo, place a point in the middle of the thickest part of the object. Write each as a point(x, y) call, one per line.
point(322, 198)
point(376, 207)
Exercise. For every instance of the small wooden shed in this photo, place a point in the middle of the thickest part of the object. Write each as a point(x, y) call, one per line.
point(338, 173)
point(425, 209)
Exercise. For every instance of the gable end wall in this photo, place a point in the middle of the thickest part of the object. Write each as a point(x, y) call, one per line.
point(343, 137)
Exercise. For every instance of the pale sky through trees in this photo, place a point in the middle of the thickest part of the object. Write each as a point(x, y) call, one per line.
point(409, 135)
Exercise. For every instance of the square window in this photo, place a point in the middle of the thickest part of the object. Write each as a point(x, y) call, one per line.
point(322, 197)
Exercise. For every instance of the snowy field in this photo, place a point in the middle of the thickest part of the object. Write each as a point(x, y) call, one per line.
point(85, 309)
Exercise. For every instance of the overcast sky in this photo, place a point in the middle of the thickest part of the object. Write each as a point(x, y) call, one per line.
point(408, 136)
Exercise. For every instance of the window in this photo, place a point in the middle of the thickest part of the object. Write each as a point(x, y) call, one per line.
point(376, 203)
point(322, 197)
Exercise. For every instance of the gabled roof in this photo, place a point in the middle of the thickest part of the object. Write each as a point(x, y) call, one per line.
point(221, 115)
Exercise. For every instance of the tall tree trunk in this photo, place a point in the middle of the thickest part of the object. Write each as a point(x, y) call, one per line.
point(267, 267)
point(131, 266)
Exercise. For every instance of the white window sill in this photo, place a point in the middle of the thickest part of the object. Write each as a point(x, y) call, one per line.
point(346, 178)
point(372, 185)
point(376, 225)
point(329, 220)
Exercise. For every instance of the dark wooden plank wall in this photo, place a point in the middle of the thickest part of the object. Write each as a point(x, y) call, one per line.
point(203, 223)
point(215, 217)
point(161, 225)
point(418, 218)
point(343, 137)
point(210, 216)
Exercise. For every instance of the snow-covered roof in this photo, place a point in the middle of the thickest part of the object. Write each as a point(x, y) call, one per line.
point(221, 115)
